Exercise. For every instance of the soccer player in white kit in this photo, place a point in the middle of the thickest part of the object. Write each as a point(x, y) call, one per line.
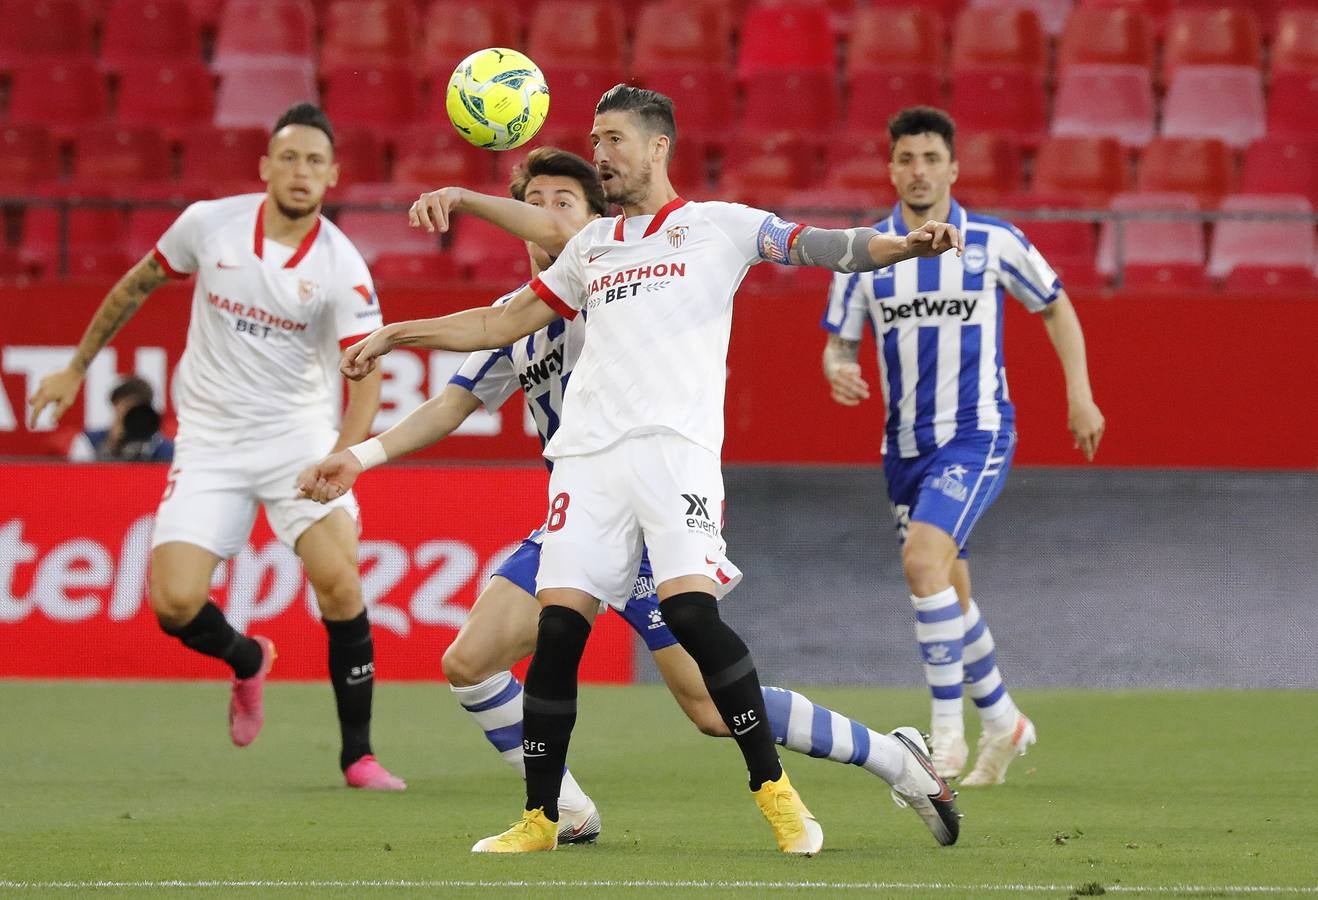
point(950, 431)
point(279, 290)
point(501, 629)
point(636, 458)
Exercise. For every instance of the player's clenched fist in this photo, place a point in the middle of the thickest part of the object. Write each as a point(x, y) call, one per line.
point(935, 238)
point(358, 361)
point(330, 478)
point(59, 389)
point(848, 385)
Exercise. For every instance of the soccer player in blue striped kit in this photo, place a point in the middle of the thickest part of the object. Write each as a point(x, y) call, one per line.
point(950, 430)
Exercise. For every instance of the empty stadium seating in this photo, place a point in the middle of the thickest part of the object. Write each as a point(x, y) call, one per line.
point(1202, 167)
point(1083, 171)
point(1096, 35)
point(453, 28)
point(255, 96)
point(173, 96)
point(993, 38)
point(596, 36)
point(265, 32)
point(141, 30)
point(362, 34)
point(1100, 100)
point(1275, 252)
point(1222, 102)
point(45, 30)
point(763, 48)
point(1154, 252)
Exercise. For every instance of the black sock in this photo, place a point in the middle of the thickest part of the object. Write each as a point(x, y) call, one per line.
point(549, 704)
point(730, 677)
point(210, 633)
point(352, 673)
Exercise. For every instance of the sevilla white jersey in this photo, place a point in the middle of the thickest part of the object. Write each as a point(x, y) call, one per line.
point(938, 323)
point(267, 324)
point(537, 365)
point(657, 295)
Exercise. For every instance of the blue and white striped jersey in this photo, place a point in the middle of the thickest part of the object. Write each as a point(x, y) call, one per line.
point(538, 365)
point(938, 325)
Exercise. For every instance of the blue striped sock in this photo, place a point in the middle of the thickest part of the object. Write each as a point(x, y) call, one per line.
point(806, 727)
point(939, 629)
point(983, 680)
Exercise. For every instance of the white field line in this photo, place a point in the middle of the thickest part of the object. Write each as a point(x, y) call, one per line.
point(1181, 889)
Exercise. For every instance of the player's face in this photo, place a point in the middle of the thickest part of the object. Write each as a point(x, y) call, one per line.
point(626, 155)
point(298, 169)
point(922, 170)
point(562, 198)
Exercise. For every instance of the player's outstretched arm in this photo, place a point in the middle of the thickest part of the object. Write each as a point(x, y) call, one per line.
point(1083, 417)
point(433, 210)
point(60, 389)
point(864, 249)
point(484, 328)
point(428, 424)
point(842, 371)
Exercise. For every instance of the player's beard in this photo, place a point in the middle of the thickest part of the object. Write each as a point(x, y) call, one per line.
point(297, 212)
point(634, 192)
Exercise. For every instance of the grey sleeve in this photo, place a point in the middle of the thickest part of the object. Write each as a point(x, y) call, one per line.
point(839, 249)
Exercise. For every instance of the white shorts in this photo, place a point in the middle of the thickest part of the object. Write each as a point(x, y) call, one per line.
point(213, 492)
point(660, 492)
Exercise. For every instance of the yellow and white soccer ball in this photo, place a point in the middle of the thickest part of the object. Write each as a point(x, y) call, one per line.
point(497, 98)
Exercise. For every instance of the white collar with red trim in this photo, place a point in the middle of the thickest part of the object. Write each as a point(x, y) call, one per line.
point(655, 224)
point(303, 248)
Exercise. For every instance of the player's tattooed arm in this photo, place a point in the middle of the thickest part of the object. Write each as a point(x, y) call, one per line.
point(60, 389)
point(843, 371)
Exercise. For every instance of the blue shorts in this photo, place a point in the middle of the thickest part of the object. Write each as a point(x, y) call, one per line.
point(641, 611)
point(951, 487)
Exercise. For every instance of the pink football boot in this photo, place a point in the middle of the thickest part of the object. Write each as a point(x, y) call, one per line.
point(246, 704)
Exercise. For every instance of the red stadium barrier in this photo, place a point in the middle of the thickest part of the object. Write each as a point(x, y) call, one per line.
point(1185, 380)
point(75, 545)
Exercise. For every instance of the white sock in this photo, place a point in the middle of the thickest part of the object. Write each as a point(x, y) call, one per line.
point(997, 711)
point(804, 726)
point(939, 630)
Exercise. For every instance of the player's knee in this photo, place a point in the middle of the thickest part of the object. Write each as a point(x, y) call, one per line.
point(462, 668)
point(926, 572)
point(174, 603)
point(688, 615)
point(339, 597)
point(706, 718)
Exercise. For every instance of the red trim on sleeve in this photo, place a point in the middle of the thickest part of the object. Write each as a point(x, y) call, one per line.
point(791, 238)
point(164, 264)
point(345, 343)
point(552, 300)
point(660, 216)
point(303, 248)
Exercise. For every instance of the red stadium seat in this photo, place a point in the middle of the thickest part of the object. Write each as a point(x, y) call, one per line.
point(255, 97)
point(61, 95)
point(1101, 100)
point(906, 40)
point(762, 180)
point(1156, 10)
point(1295, 48)
point(223, 160)
point(145, 226)
point(574, 91)
point(1070, 247)
point(264, 32)
point(803, 103)
point(206, 13)
point(573, 32)
point(422, 268)
point(767, 47)
point(1277, 165)
point(28, 158)
point(176, 97)
point(1086, 171)
point(1052, 13)
point(947, 10)
point(488, 253)
point(140, 30)
point(95, 235)
point(1166, 252)
point(1011, 102)
point(1263, 244)
point(1293, 109)
point(678, 33)
point(454, 28)
point(998, 39)
point(44, 30)
point(438, 157)
point(359, 153)
point(875, 95)
point(1223, 102)
point(120, 161)
point(375, 233)
point(989, 167)
point(865, 176)
point(1224, 36)
point(372, 96)
point(701, 100)
point(1103, 36)
point(365, 34)
point(1199, 166)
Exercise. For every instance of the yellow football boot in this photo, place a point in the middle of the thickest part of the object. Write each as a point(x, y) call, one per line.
point(534, 832)
point(796, 830)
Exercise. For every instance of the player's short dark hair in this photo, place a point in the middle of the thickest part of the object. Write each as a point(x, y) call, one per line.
point(134, 388)
point(308, 114)
point(553, 161)
point(923, 120)
point(654, 109)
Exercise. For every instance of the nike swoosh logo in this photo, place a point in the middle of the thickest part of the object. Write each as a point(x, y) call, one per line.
point(744, 730)
point(534, 755)
point(598, 255)
point(577, 829)
point(362, 679)
point(219, 264)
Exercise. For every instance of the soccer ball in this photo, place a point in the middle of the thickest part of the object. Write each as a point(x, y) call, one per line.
point(497, 98)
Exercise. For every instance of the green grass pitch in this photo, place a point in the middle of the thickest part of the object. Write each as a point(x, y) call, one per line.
point(136, 787)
